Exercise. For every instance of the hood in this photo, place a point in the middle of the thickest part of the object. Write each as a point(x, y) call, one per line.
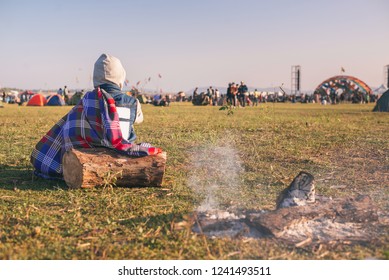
point(108, 69)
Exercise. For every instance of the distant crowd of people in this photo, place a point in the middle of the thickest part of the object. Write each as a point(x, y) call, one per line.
point(237, 95)
point(16, 97)
point(159, 100)
point(355, 96)
point(210, 97)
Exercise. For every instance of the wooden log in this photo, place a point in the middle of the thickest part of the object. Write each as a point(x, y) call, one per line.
point(87, 168)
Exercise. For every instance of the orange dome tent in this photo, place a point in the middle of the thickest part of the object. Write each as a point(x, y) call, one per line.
point(37, 100)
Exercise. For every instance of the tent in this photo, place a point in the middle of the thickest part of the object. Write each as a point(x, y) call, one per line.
point(55, 100)
point(380, 90)
point(12, 97)
point(142, 98)
point(26, 95)
point(382, 104)
point(37, 100)
point(76, 98)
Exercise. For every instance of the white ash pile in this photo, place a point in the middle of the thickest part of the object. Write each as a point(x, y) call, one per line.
point(220, 223)
point(301, 218)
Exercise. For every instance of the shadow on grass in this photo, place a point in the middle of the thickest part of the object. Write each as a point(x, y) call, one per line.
point(23, 178)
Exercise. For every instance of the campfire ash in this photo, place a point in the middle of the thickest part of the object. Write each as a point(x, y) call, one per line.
point(219, 223)
point(301, 216)
point(348, 219)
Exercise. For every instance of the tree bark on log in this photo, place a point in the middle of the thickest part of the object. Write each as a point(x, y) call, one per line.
point(87, 168)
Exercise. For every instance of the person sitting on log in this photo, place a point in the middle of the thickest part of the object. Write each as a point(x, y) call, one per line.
point(93, 122)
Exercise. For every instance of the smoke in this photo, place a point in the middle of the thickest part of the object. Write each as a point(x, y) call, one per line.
point(215, 176)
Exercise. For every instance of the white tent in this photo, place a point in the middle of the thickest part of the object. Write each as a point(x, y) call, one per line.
point(380, 90)
point(14, 93)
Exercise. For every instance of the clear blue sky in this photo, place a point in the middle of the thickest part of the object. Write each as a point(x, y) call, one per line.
point(47, 44)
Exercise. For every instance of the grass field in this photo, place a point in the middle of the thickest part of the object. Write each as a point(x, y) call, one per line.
point(344, 145)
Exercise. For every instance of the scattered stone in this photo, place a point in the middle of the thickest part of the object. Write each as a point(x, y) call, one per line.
point(300, 192)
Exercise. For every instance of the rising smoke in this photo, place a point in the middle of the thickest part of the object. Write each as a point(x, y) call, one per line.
point(215, 176)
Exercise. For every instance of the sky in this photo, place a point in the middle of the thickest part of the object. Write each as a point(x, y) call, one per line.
point(49, 44)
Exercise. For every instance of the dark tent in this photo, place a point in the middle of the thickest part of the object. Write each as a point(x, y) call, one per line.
point(55, 100)
point(142, 99)
point(382, 104)
point(201, 100)
point(76, 98)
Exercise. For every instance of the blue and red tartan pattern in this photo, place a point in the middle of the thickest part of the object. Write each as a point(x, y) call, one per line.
point(93, 122)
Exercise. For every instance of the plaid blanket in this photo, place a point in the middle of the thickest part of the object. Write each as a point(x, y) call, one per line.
point(93, 122)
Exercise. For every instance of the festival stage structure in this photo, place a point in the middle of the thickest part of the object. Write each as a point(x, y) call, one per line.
point(343, 84)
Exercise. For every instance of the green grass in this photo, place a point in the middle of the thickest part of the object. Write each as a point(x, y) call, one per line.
point(340, 145)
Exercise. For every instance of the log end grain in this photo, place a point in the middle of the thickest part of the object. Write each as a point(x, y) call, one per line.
point(73, 176)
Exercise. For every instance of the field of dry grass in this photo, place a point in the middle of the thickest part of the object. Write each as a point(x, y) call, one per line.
point(345, 147)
